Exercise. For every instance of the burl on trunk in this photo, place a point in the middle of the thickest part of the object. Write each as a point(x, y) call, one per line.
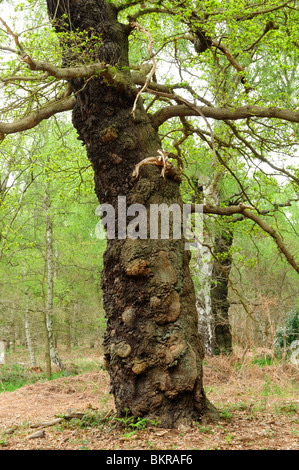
point(152, 348)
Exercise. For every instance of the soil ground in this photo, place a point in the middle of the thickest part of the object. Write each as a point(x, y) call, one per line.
point(259, 410)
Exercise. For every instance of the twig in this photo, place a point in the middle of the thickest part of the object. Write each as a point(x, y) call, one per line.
point(37, 435)
point(160, 160)
point(46, 424)
point(135, 24)
point(14, 35)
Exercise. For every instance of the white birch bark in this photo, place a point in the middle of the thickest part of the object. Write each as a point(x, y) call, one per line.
point(30, 344)
point(2, 353)
point(203, 273)
point(50, 283)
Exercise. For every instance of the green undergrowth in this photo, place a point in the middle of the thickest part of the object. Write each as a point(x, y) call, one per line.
point(106, 420)
point(253, 410)
point(17, 375)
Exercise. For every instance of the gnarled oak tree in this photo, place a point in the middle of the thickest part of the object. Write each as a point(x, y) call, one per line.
point(152, 347)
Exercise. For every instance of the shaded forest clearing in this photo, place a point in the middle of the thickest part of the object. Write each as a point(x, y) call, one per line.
point(258, 401)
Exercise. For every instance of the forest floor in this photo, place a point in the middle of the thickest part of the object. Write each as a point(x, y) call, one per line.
point(259, 406)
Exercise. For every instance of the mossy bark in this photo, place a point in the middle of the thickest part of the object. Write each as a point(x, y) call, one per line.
point(152, 348)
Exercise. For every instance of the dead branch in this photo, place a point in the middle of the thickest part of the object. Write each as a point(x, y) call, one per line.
point(46, 424)
point(135, 24)
point(220, 114)
point(161, 161)
point(37, 116)
point(37, 435)
point(14, 35)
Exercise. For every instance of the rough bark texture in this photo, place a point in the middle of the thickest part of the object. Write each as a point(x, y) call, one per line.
point(219, 294)
point(152, 348)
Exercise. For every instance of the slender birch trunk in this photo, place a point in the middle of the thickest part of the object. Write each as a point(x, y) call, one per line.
point(30, 343)
point(50, 283)
point(2, 353)
point(212, 281)
point(47, 347)
point(204, 264)
point(68, 329)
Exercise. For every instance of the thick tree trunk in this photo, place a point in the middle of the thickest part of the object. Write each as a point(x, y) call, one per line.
point(152, 348)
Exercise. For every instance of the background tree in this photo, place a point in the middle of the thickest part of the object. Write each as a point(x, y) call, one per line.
point(24, 262)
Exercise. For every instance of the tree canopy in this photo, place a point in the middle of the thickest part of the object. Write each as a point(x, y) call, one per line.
point(217, 79)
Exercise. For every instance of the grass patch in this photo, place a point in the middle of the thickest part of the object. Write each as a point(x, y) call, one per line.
point(263, 361)
point(291, 408)
point(15, 376)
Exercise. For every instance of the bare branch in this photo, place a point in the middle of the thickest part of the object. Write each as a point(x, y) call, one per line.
point(262, 12)
point(8, 49)
point(66, 73)
point(37, 116)
point(221, 114)
point(20, 78)
point(14, 35)
point(244, 210)
point(154, 68)
point(148, 11)
point(259, 156)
